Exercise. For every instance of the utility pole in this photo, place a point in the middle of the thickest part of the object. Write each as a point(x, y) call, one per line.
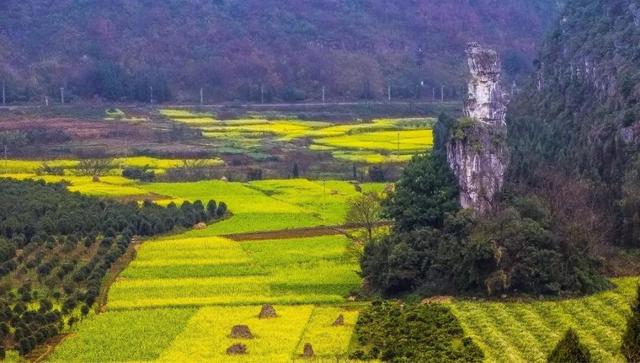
point(323, 94)
point(201, 96)
point(442, 93)
point(46, 100)
point(4, 98)
point(151, 94)
point(262, 94)
point(433, 93)
point(62, 95)
point(389, 93)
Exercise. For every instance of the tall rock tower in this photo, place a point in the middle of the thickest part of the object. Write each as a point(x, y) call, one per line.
point(477, 151)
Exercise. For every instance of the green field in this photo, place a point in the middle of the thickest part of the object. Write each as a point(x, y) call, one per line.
point(180, 296)
point(269, 204)
point(227, 281)
point(528, 331)
point(217, 271)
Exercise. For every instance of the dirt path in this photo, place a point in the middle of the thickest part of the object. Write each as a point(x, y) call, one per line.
point(294, 233)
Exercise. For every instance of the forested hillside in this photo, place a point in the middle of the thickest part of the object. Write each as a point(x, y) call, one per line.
point(575, 131)
point(234, 48)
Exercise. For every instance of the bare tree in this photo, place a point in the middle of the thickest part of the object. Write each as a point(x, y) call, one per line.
point(365, 213)
point(95, 167)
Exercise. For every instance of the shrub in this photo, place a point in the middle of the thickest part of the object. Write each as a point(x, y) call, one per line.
point(212, 209)
point(143, 174)
point(95, 167)
point(222, 209)
point(570, 350)
point(412, 333)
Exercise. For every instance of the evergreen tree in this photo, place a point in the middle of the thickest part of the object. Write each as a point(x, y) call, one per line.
point(212, 208)
point(631, 339)
point(570, 350)
point(425, 193)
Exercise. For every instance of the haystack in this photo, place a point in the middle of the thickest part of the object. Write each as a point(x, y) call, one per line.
point(241, 332)
point(308, 351)
point(237, 349)
point(267, 312)
point(339, 321)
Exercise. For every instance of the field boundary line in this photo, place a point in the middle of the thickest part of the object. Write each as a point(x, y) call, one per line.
point(306, 232)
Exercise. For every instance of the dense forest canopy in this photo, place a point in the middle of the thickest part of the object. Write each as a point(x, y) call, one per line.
point(578, 121)
point(244, 49)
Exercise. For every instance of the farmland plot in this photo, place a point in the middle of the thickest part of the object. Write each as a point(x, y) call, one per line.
point(217, 271)
point(373, 142)
point(118, 336)
point(528, 331)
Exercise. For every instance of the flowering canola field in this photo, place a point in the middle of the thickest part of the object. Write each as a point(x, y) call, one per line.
point(182, 294)
point(374, 142)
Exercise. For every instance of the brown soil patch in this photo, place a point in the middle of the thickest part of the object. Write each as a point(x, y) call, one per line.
point(339, 321)
point(78, 129)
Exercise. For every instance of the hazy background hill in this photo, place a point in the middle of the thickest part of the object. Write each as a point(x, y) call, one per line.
point(355, 48)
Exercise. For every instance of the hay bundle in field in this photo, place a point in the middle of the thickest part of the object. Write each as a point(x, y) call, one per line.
point(267, 312)
point(237, 349)
point(308, 351)
point(339, 321)
point(241, 332)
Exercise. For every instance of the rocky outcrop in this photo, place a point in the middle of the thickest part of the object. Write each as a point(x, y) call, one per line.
point(477, 151)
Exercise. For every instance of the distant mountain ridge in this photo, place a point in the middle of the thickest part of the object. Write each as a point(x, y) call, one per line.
point(255, 49)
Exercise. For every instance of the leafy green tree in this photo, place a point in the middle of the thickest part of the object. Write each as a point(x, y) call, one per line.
point(570, 350)
point(631, 339)
point(425, 193)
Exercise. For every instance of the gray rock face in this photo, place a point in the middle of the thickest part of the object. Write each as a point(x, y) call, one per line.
point(485, 101)
point(477, 151)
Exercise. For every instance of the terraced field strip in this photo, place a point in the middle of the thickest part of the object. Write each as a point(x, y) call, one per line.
point(121, 336)
point(218, 271)
point(68, 166)
point(528, 331)
point(206, 337)
point(268, 205)
point(329, 341)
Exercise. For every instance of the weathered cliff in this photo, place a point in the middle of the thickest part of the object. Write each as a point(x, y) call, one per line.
point(476, 150)
point(580, 115)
